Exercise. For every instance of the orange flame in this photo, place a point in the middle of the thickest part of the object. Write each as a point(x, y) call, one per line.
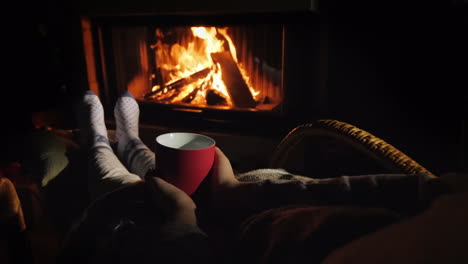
point(192, 54)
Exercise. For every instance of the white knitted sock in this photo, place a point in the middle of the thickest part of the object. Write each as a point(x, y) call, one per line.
point(135, 155)
point(90, 116)
point(106, 173)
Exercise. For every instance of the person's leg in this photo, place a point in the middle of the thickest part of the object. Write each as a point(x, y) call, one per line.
point(133, 153)
point(106, 172)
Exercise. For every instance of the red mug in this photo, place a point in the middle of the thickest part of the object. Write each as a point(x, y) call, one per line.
point(184, 159)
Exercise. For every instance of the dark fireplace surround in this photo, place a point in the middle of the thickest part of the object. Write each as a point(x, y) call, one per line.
point(301, 58)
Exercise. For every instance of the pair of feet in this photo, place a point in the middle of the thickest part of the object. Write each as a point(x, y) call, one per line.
point(90, 115)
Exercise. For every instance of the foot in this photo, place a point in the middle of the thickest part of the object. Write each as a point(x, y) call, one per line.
point(90, 115)
point(126, 114)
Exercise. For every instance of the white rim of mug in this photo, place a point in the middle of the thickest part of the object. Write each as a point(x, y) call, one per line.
point(187, 133)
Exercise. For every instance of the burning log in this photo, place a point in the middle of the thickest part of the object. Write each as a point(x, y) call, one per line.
point(176, 85)
point(168, 96)
point(232, 77)
point(189, 98)
point(215, 98)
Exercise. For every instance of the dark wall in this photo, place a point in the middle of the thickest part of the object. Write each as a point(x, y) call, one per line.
point(42, 65)
point(44, 54)
point(396, 70)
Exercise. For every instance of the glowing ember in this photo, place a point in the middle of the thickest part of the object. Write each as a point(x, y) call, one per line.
point(187, 72)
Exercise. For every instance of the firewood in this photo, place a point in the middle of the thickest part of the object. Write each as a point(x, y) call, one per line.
point(176, 85)
point(214, 97)
point(187, 99)
point(169, 96)
point(232, 77)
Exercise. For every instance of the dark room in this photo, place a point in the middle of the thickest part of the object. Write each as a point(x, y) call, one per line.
point(317, 131)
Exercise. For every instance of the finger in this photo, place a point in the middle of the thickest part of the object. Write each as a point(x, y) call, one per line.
point(221, 156)
point(221, 165)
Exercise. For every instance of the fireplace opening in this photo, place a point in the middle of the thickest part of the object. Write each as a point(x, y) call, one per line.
point(236, 67)
point(226, 71)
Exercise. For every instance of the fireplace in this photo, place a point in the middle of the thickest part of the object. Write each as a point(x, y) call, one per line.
point(243, 71)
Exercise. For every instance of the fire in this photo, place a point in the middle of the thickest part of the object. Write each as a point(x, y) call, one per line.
point(188, 72)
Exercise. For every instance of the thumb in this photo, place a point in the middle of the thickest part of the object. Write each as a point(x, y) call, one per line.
point(222, 170)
